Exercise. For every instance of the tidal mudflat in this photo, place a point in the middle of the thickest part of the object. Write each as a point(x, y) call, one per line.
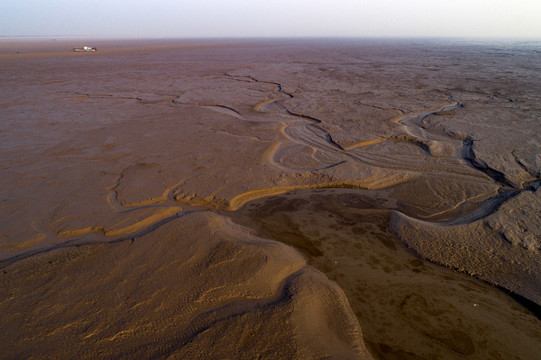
point(270, 199)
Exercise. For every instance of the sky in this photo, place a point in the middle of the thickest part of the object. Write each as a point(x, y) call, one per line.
point(272, 18)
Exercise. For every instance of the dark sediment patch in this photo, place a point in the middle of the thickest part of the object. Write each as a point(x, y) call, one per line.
point(408, 308)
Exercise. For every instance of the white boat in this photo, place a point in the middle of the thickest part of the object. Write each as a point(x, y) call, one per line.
point(85, 49)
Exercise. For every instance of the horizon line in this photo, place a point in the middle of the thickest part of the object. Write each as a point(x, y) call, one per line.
point(318, 37)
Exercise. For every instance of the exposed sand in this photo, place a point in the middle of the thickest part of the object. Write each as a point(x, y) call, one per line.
point(148, 189)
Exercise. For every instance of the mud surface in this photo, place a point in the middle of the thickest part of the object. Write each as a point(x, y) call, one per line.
point(148, 189)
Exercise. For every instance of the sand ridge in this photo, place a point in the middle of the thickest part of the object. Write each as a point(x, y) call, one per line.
point(125, 303)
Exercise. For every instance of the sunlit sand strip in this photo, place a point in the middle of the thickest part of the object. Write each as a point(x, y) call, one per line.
point(137, 227)
point(262, 105)
point(374, 182)
point(365, 143)
point(36, 239)
point(242, 199)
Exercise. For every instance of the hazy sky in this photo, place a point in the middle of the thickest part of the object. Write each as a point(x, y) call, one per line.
point(256, 18)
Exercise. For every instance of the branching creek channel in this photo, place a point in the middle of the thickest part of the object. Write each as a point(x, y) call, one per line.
point(408, 307)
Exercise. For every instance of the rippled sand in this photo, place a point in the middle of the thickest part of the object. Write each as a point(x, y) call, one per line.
point(271, 199)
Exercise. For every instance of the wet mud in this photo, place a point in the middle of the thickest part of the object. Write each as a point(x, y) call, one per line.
point(307, 199)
